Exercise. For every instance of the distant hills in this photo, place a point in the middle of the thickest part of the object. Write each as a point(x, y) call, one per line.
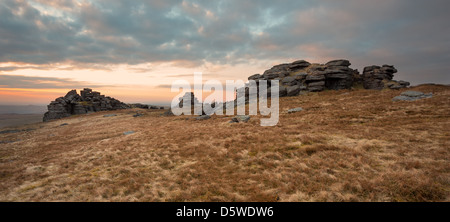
point(22, 109)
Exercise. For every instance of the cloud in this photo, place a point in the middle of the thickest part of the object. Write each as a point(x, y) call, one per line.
point(407, 33)
point(29, 82)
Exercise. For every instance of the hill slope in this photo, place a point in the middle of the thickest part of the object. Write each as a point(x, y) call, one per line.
point(345, 146)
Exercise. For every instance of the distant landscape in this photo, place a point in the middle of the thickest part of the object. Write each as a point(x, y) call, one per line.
point(224, 101)
point(15, 115)
point(347, 145)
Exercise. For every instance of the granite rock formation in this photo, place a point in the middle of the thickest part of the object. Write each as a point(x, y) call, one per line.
point(302, 76)
point(376, 77)
point(73, 104)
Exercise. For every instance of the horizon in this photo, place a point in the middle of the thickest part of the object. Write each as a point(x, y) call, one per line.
point(133, 51)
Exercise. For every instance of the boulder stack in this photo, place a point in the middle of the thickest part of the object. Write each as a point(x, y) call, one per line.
point(89, 101)
point(302, 76)
point(189, 98)
point(376, 77)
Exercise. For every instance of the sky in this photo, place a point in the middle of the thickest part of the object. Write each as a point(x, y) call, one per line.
point(134, 50)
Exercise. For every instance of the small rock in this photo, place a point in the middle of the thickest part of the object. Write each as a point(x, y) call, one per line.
point(137, 115)
point(204, 117)
point(109, 115)
point(412, 96)
point(64, 124)
point(168, 113)
point(412, 93)
point(298, 109)
point(403, 98)
point(128, 132)
point(239, 119)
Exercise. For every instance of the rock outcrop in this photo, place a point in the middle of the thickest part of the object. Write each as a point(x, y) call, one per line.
point(188, 98)
point(376, 77)
point(302, 76)
point(73, 103)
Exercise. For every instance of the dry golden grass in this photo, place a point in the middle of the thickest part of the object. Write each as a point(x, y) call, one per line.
point(345, 146)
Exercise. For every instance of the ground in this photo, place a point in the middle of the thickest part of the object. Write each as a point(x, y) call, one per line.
point(348, 145)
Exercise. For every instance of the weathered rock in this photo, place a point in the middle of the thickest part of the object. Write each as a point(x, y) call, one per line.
point(376, 77)
point(278, 71)
point(189, 98)
point(340, 62)
point(138, 115)
point(168, 113)
point(404, 83)
point(318, 83)
point(297, 65)
point(289, 81)
point(72, 96)
point(301, 76)
point(73, 104)
point(128, 132)
point(315, 88)
point(109, 115)
point(203, 117)
point(282, 91)
point(336, 75)
point(255, 77)
point(293, 90)
point(294, 110)
point(311, 78)
point(412, 96)
point(240, 119)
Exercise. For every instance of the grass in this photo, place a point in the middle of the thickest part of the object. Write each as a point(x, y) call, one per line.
point(349, 145)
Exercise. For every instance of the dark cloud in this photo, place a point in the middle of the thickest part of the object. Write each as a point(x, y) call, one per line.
point(28, 82)
point(410, 34)
point(13, 68)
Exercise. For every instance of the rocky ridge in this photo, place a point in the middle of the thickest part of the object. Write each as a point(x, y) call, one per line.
point(73, 103)
point(302, 76)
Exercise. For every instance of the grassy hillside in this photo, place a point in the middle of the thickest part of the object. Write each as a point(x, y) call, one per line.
point(345, 146)
point(9, 120)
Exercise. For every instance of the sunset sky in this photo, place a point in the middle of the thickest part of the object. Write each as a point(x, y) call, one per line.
point(134, 50)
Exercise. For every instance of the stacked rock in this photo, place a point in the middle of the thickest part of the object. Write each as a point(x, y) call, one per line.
point(73, 104)
point(376, 77)
point(303, 76)
point(189, 98)
point(338, 75)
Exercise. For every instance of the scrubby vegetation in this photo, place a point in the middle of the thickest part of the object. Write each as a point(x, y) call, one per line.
point(345, 146)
